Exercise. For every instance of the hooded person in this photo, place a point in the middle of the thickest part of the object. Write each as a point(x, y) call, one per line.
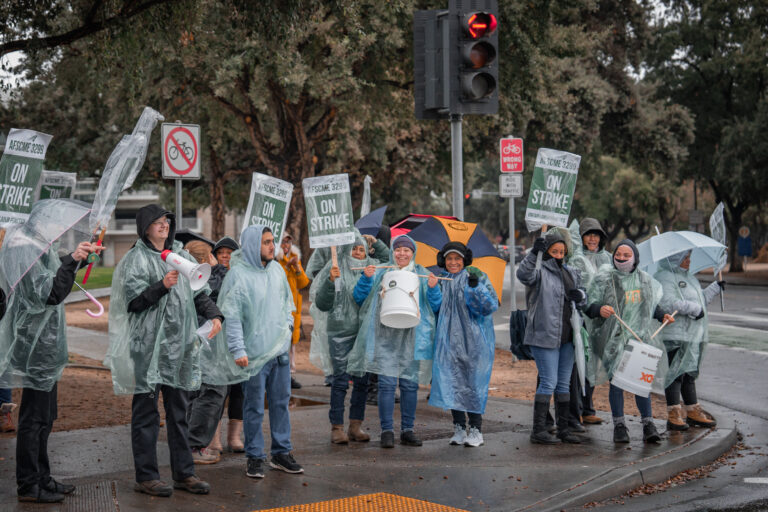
point(33, 343)
point(335, 313)
point(622, 290)
point(553, 290)
point(154, 349)
point(685, 340)
point(465, 343)
point(391, 353)
point(258, 305)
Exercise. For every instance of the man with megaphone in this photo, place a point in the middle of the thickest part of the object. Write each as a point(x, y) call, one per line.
point(154, 347)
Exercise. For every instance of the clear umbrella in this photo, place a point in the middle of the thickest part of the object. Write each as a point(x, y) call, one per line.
point(705, 251)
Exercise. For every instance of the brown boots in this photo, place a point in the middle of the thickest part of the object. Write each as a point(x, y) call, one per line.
point(234, 436)
point(356, 432)
point(338, 436)
point(698, 417)
point(215, 445)
point(675, 419)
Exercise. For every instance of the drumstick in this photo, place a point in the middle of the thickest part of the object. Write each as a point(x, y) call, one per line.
point(440, 278)
point(383, 266)
point(627, 327)
point(663, 325)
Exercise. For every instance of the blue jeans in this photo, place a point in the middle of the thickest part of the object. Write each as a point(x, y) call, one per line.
point(275, 379)
point(5, 396)
point(356, 402)
point(554, 366)
point(408, 396)
point(616, 399)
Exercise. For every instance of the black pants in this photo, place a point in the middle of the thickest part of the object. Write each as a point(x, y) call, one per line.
point(204, 414)
point(145, 427)
point(36, 415)
point(460, 418)
point(235, 408)
point(685, 384)
point(587, 407)
point(575, 407)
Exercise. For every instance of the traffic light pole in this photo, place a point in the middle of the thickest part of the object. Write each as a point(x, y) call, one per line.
point(457, 166)
point(512, 253)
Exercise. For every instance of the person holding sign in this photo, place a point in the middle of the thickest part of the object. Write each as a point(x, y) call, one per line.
point(622, 297)
point(685, 340)
point(551, 290)
point(289, 258)
point(465, 343)
point(394, 354)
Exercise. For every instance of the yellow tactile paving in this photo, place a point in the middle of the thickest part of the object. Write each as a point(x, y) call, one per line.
point(379, 502)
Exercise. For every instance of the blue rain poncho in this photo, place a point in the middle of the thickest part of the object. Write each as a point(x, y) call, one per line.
point(257, 305)
point(689, 333)
point(159, 345)
point(334, 310)
point(635, 296)
point(33, 342)
point(465, 344)
point(399, 353)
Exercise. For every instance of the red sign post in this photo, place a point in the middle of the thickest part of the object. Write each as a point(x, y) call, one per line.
point(511, 154)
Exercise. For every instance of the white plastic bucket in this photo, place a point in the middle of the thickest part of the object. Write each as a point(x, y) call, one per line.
point(400, 299)
point(637, 368)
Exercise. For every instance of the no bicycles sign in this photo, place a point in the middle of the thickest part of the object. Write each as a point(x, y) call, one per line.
point(181, 151)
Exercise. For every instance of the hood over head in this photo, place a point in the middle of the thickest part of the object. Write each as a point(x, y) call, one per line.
point(149, 214)
point(227, 242)
point(554, 236)
point(590, 225)
point(250, 241)
point(629, 243)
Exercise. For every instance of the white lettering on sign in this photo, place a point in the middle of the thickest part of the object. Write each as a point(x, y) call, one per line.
point(327, 206)
point(338, 221)
point(554, 182)
point(268, 210)
point(271, 224)
point(12, 195)
point(550, 199)
point(19, 172)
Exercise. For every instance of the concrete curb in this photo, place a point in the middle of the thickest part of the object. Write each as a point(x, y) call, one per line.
point(616, 481)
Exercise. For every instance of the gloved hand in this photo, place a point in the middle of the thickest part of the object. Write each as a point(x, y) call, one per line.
point(539, 245)
point(721, 284)
point(701, 315)
point(574, 294)
point(474, 276)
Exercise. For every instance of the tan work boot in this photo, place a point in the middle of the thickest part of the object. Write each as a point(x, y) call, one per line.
point(234, 436)
point(675, 419)
point(338, 436)
point(215, 445)
point(356, 432)
point(698, 417)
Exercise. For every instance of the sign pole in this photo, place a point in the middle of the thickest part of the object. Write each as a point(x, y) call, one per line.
point(457, 178)
point(512, 252)
point(178, 204)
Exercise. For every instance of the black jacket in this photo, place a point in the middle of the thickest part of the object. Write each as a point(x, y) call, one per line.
point(62, 283)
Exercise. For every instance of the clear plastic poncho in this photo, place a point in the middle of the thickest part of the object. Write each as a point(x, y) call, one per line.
point(687, 334)
point(400, 353)
point(158, 346)
point(634, 296)
point(334, 331)
point(465, 344)
point(257, 304)
point(586, 261)
point(33, 342)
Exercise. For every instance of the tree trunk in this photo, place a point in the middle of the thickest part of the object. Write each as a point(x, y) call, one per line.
point(216, 187)
point(737, 262)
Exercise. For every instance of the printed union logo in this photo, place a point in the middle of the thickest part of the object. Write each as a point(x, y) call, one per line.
point(392, 284)
point(457, 226)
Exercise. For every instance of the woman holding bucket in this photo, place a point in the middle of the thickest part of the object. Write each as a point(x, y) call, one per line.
point(625, 302)
point(396, 341)
point(464, 343)
point(552, 287)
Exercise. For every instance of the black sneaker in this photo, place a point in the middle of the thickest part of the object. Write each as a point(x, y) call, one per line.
point(37, 494)
point(388, 439)
point(58, 487)
point(295, 384)
point(255, 468)
point(285, 462)
point(650, 435)
point(408, 438)
point(620, 433)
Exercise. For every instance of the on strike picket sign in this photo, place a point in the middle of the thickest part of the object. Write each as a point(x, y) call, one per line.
point(269, 203)
point(550, 196)
point(329, 210)
point(57, 185)
point(21, 167)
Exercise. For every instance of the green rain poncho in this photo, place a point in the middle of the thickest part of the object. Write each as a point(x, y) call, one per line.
point(634, 295)
point(335, 311)
point(400, 353)
point(257, 305)
point(682, 293)
point(157, 346)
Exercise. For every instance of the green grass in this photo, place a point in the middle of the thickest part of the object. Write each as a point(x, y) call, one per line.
point(101, 277)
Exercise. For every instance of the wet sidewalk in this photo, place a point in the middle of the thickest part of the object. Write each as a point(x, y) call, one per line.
point(507, 473)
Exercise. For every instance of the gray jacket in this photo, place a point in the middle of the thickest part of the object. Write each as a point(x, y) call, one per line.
point(545, 309)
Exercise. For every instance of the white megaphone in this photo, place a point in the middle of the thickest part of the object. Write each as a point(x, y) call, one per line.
point(197, 274)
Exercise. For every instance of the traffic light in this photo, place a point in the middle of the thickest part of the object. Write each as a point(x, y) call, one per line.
point(431, 64)
point(467, 198)
point(475, 62)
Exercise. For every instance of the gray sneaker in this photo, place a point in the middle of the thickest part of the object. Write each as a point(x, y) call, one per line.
point(204, 456)
point(475, 438)
point(459, 435)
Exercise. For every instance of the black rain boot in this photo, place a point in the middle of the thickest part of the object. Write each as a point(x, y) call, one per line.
point(563, 413)
point(539, 432)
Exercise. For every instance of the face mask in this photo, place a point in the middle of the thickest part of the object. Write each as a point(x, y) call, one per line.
point(625, 265)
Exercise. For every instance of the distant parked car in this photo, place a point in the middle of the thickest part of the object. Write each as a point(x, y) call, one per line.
point(519, 253)
point(503, 251)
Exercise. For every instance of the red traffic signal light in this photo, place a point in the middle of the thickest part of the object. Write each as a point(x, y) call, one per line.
point(479, 24)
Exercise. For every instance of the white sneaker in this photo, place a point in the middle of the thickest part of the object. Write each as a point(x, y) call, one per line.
point(459, 435)
point(475, 438)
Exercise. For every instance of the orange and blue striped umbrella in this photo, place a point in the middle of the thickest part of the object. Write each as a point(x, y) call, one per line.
point(435, 232)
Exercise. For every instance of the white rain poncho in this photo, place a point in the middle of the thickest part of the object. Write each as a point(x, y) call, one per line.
point(399, 353)
point(682, 293)
point(634, 296)
point(257, 305)
point(465, 344)
point(157, 346)
point(33, 342)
